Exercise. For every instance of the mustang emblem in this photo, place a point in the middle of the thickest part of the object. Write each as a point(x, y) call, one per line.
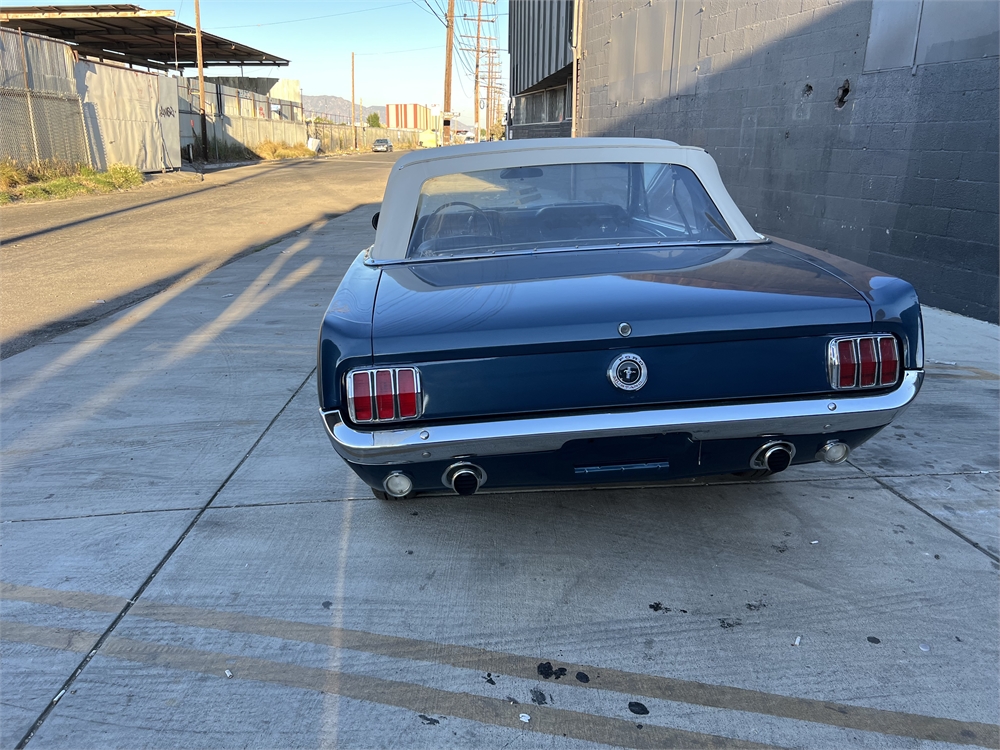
point(628, 372)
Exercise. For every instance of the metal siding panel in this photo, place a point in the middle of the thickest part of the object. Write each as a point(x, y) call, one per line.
point(538, 40)
point(622, 62)
point(653, 44)
point(169, 120)
point(949, 36)
point(685, 54)
point(892, 34)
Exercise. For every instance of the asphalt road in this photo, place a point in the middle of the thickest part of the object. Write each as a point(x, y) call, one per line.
point(186, 563)
point(68, 263)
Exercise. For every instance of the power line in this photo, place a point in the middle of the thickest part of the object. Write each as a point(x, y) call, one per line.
point(429, 10)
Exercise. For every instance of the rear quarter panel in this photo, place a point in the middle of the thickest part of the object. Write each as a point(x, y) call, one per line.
point(893, 302)
point(345, 337)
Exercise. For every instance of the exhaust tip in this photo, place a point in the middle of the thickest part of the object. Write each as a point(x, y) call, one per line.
point(777, 459)
point(774, 456)
point(464, 479)
point(465, 482)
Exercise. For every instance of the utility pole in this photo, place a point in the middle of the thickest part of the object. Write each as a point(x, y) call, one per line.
point(448, 45)
point(478, 49)
point(577, 46)
point(489, 91)
point(475, 96)
point(201, 81)
point(354, 122)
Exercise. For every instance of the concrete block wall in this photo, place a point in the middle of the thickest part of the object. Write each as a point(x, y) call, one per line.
point(900, 173)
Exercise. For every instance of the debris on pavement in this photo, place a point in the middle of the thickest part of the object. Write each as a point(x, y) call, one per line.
point(873, 639)
point(637, 708)
point(798, 640)
point(229, 674)
point(546, 670)
point(924, 647)
point(525, 718)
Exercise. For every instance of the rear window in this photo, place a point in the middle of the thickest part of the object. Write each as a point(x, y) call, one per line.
point(563, 206)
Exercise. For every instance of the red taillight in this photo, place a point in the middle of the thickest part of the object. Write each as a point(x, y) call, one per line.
point(383, 395)
point(406, 392)
point(890, 360)
point(864, 362)
point(848, 364)
point(361, 396)
point(869, 362)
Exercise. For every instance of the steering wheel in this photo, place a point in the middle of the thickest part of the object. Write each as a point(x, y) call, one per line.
point(476, 211)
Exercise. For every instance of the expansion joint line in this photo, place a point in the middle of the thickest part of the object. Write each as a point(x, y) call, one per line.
point(927, 513)
point(149, 579)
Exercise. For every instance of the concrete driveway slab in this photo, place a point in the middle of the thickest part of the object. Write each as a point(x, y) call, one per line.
point(109, 557)
point(951, 428)
point(735, 574)
point(129, 423)
point(295, 462)
point(968, 503)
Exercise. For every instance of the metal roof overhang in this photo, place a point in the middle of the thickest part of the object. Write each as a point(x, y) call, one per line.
point(129, 34)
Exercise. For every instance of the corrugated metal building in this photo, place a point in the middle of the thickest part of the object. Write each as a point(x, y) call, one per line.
point(541, 64)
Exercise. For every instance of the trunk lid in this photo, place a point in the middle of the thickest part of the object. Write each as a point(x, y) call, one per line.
point(537, 333)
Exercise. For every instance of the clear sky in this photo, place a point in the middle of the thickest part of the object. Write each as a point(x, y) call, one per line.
point(399, 44)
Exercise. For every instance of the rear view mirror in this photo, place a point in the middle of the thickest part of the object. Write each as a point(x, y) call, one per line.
point(375, 220)
point(520, 173)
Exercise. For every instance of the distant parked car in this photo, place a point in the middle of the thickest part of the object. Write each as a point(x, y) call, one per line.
point(382, 144)
point(576, 312)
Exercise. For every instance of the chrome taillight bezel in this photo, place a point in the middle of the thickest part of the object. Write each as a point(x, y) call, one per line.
point(833, 362)
point(370, 373)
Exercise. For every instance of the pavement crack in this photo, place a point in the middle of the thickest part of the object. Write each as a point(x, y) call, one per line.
point(927, 513)
point(104, 515)
point(64, 688)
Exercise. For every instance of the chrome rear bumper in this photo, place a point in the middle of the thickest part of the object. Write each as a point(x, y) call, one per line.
point(842, 413)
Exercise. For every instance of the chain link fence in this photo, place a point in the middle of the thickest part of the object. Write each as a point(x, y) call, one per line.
point(339, 136)
point(41, 112)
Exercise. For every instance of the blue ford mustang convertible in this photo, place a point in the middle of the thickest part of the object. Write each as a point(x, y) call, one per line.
point(575, 312)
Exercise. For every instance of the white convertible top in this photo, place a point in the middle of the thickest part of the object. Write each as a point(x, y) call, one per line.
point(412, 170)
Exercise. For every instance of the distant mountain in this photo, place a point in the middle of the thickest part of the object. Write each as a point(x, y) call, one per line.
point(339, 109)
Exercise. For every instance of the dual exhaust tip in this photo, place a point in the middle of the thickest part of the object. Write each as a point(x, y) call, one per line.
point(463, 478)
point(466, 479)
point(776, 456)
